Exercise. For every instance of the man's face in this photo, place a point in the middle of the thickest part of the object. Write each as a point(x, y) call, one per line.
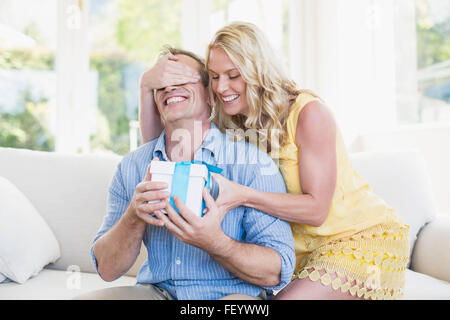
point(187, 101)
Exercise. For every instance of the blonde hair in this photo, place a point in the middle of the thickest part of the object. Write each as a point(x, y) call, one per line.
point(270, 92)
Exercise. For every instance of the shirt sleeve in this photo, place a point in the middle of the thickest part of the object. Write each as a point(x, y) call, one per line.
point(265, 230)
point(117, 203)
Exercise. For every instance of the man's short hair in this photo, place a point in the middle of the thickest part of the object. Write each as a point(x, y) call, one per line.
point(176, 51)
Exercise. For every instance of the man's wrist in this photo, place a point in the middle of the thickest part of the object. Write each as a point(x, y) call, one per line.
point(222, 247)
point(131, 219)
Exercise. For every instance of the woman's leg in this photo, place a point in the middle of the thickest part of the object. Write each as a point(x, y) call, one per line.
point(306, 289)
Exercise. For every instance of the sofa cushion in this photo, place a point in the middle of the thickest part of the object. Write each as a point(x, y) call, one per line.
point(58, 285)
point(69, 191)
point(419, 286)
point(26, 242)
point(401, 179)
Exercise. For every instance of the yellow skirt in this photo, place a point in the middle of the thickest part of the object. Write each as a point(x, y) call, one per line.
point(370, 264)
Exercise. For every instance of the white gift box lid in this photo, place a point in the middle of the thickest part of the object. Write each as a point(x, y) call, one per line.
point(168, 167)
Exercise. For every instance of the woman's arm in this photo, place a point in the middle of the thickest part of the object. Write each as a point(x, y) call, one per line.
point(149, 118)
point(316, 141)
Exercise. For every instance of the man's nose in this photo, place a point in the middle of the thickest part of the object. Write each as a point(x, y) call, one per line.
point(170, 88)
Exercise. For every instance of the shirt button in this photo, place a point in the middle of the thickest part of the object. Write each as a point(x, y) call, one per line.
point(178, 261)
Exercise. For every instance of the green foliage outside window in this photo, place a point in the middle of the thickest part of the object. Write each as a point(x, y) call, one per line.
point(113, 123)
point(145, 26)
point(433, 39)
point(24, 129)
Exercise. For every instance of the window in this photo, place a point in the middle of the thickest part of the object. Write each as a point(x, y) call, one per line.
point(27, 74)
point(69, 69)
point(433, 60)
point(422, 35)
point(125, 38)
point(377, 63)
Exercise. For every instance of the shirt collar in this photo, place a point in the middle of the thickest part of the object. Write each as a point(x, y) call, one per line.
point(212, 143)
point(160, 147)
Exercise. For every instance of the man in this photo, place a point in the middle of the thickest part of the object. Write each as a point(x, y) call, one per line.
point(244, 251)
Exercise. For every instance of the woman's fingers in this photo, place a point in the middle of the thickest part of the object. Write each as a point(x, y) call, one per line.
point(182, 72)
point(172, 57)
point(169, 72)
point(218, 178)
point(209, 200)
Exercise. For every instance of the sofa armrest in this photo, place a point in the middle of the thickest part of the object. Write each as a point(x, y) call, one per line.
point(431, 253)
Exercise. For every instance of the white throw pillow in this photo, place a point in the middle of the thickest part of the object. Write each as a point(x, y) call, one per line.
point(27, 244)
point(2, 278)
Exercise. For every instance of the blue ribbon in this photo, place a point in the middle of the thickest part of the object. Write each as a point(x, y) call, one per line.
point(180, 180)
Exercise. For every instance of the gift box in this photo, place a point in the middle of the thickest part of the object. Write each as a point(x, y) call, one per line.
point(186, 180)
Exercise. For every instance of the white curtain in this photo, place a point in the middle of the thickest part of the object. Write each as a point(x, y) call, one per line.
point(199, 22)
point(344, 51)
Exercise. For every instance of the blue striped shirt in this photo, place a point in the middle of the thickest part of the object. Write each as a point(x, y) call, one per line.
point(188, 272)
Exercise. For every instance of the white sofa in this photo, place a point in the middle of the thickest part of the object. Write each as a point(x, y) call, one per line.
point(70, 192)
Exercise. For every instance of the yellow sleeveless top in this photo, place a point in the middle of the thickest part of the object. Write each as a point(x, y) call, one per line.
point(354, 206)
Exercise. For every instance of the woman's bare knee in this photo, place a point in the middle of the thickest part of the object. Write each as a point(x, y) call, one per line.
point(306, 289)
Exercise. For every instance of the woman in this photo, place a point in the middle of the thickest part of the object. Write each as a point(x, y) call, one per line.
point(349, 243)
